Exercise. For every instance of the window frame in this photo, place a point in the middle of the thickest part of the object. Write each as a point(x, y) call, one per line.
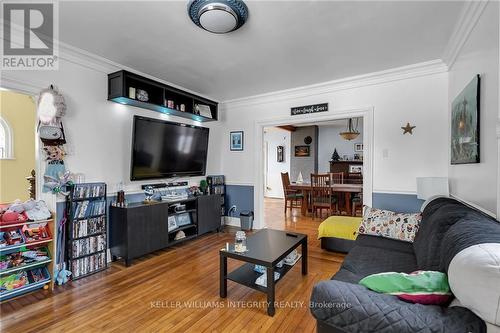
point(9, 140)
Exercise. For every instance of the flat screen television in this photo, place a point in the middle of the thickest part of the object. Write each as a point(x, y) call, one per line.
point(163, 149)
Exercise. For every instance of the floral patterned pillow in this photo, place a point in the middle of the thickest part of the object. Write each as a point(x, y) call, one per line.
point(385, 223)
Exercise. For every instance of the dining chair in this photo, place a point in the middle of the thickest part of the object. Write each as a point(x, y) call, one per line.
point(294, 197)
point(322, 194)
point(337, 177)
point(357, 204)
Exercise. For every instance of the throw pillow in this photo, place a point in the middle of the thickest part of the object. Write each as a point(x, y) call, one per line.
point(474, 275)
point(423, 287)
point(385, 223)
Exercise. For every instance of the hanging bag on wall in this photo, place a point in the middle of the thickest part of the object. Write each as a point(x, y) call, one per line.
point(52, 134)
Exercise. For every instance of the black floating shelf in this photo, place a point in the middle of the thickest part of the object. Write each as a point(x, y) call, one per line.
point(158, 94)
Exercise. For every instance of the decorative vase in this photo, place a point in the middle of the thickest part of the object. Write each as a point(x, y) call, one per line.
point(300, 179)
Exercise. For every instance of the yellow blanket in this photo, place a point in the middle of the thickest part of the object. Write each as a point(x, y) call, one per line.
point(345, 227)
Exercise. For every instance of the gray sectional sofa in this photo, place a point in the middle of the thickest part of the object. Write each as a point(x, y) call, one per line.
point(341, 305)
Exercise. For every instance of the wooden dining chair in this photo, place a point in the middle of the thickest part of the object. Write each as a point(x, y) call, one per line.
point(337, 177)
point(322, 194)
point(294, 197)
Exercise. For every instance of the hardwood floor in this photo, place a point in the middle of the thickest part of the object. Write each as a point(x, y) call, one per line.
point(177, 290)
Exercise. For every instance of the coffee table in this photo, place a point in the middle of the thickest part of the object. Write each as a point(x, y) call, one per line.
point(266, 247)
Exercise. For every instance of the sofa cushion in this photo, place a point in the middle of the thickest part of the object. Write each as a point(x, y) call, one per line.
point(365, 260)
point(385, 223)
point(384, 243)
point(423, 287)
point(473, 229)
point(352, 308)
point(474, 277)
point(437, 217)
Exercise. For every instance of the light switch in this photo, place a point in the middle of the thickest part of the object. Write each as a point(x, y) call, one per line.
point(385, 153)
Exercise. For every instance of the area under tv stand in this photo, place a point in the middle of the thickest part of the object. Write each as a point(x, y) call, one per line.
point(142, 228)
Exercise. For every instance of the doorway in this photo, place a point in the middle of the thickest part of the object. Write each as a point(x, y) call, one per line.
point(277, 160)
point(358, 150)
point(18, 144)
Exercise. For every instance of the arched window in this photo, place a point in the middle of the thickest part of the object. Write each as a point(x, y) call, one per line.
point(6, 142)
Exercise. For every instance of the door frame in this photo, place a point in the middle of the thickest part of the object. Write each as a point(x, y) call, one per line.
point(367, 113)
point(32, 90)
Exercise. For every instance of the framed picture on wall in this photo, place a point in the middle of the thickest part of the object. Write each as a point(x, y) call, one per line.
point(280, 154)
point(358, 147)
point(465, 124)
point(236, 141)
point(302, 151)
point(355, 168)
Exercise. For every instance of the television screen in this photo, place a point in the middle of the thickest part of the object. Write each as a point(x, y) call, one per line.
point(162, 149)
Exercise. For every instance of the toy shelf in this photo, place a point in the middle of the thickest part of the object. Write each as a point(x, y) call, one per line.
point(19, 291)
point(20, 245)
point(20, 224)
point(48, 264)
point(32, 265)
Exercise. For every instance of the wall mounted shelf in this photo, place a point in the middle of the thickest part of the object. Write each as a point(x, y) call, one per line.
point(123, 88)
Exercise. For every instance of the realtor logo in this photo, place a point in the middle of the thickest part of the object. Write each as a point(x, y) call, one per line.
point(29, 32)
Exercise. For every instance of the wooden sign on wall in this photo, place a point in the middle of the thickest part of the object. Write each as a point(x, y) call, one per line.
point(309, 109)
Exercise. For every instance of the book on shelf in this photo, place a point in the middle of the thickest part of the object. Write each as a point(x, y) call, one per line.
point(83, 191)
point(84, 246)
point(89, 208)
point(87, 265)
point(83, 228)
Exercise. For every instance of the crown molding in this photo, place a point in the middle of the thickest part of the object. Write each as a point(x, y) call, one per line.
point(394, 74)
point(97, 63)
point(471, 12)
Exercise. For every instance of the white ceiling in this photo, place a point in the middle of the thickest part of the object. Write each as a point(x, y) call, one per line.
point(283, 45)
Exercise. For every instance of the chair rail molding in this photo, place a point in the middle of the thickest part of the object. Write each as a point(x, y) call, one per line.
point(368, 137)
point(471, 12)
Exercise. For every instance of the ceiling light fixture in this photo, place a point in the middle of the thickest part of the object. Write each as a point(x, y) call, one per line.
point(352, 132)
point(218, 16)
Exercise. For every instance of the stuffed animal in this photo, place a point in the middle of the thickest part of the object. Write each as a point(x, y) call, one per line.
point(54, 153)
point(50, 106)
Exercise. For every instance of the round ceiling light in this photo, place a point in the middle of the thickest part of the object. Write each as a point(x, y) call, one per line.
point(218, 16)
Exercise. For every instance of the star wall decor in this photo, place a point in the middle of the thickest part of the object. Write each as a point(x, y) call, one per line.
point(408, 128)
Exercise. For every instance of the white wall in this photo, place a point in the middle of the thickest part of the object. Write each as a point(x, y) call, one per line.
point(477, 183)
point(99, 132)
point(419, 99)
point(330, 139)
point(275, 137)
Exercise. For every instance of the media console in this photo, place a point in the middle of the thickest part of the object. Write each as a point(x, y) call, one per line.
point(142, 228)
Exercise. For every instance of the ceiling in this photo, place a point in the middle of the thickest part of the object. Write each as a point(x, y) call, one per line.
point(283, 45)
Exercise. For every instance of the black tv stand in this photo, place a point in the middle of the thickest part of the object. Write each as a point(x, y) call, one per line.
point(142, 228)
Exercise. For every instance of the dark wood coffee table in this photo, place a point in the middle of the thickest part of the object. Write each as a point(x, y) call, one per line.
point(266, 247)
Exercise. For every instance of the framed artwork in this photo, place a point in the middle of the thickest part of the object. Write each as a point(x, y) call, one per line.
point(172, 223)
point(236, 141)
point(355, 168)
point(280, 154)
point(465, 124)
point(302, 151)
point(358, 147)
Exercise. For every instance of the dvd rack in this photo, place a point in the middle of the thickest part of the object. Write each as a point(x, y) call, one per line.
point(87, 229)
point(217, 185)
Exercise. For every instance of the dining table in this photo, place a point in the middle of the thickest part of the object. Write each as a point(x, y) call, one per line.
point(347, 189)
